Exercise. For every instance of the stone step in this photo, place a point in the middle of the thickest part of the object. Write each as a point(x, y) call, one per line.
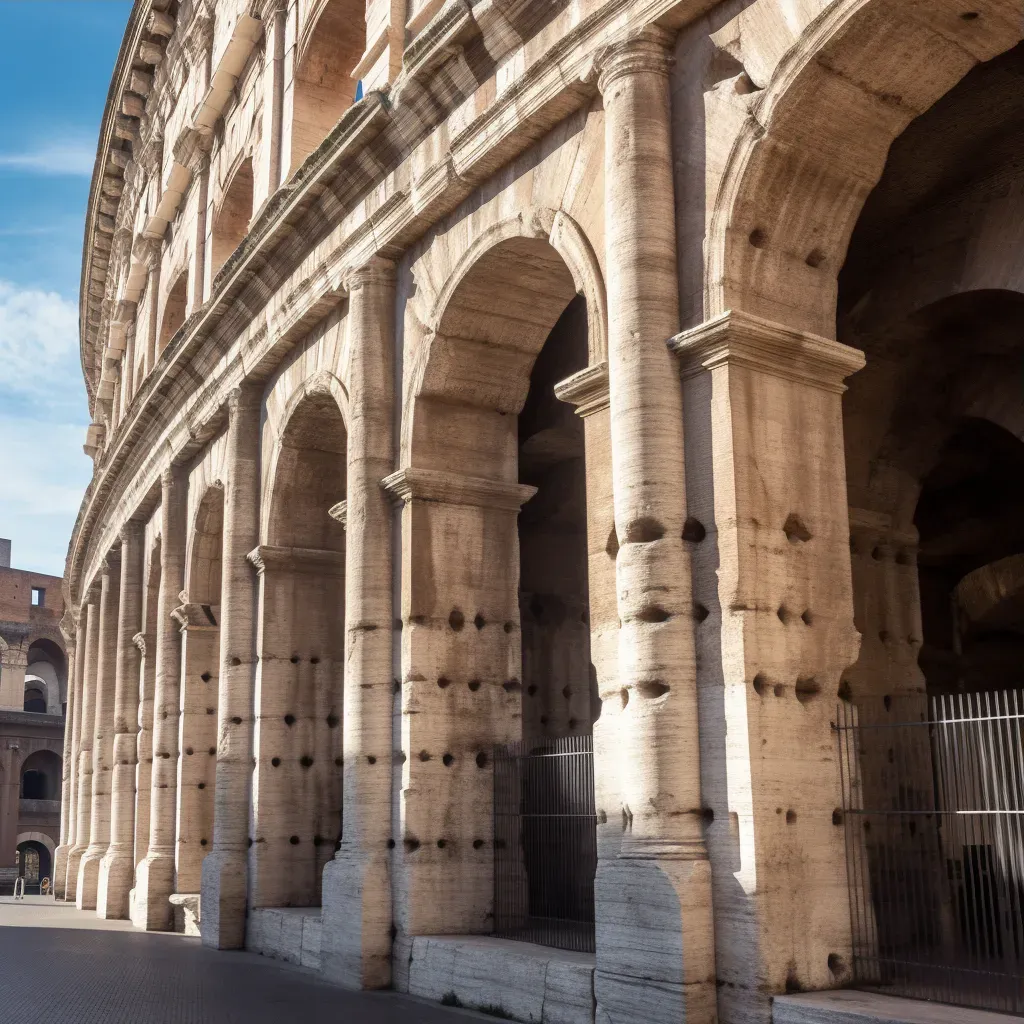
point(846, 1006)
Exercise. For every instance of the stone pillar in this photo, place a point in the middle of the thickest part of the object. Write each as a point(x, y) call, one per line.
point(153, 306)
point(199, 280)
point(225, 869)
point(76, 653)
point(102, 738)
point(197, 741)
point(13, 662)
point(84, 734)
point(268, 170)
point(144, 747)
point(117, 869)
point(154, 880)
point(356, 941)
point(655, 941)
point(767, 473)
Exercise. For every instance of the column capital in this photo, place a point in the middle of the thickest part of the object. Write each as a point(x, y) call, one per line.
point(412, 484)
point(139, 639)
point(740, 339)
point(192, 615)
point(648, 51)
point(376, 271)
point(340, 513)
point(247, 395)
point(587, 390)
point(130, 532)
point(171, 475)
point(264, 10)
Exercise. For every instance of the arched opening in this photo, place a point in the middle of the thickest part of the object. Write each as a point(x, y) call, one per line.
point(329, 48)
point(933, 430)
point(47, 673)
point(231, 221)
point(35, 697)
point(34, 864)
point(496, 635)
point(41, 776)
point(297, 788)
point(174, 311)
point(199, 620)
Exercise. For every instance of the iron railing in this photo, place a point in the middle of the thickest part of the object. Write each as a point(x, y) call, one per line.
point(545, 842)
point(933, 795)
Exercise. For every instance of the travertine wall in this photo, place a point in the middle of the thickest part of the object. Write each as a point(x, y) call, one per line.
point(501, 403)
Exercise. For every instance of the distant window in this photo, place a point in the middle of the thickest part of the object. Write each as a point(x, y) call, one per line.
point(38, 597)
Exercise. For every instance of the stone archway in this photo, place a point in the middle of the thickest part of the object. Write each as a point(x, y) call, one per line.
point(817, 137)
point(471, 671)
point(299, 699)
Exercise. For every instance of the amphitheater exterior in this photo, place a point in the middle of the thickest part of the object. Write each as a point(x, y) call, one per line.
point(480, 387)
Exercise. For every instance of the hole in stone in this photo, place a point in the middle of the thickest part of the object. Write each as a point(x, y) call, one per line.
point(887, 701)
point(611, 547)
point(391, 844)
point(189, 751)
point(412, 844)
point(398, 757)
point(970, 16)
point(795, 531)
point(758, 238)
point(441, 844)
point(456, 620)
point(424, 756)
point(474, 685)
point(370, 759)
point(202, 785)
point(807, 618)
point(567, 692)
point(289, 719)
point(276, 762)
point(318, 840)
point(206, 677)
point(448, 760)
point(332, 721)
point(338, 762)
point(211, 711)
point(835, 963)
point(644, 531)
point(779, 690)
point(481, 760)
point(294, 659)
point(572, 724)
point(531, 689)
point(396, 687)
point(543, 719)
point(790, 816)
point(294, 840)
point(511, 685)
point(783, 614)
point(837, 817)
point(477, 843)
point(700, 612)
point(807, 689)
point(306, 761)
point(845, 690)
point(602, 817)
point(314, 661)
point(236, 720)
point(236, 661)
point(792, 982)
point(212, 751)
point(693, 530)
point(903, 557)
point(760, 684)
point(653, 613)
point(479, 621)
point(624, 696)
point(509, 626)
point(876, 553)
point(815, 258)
point(202, 842)
point(883, 635)
point(444, 682)
point(652, 689)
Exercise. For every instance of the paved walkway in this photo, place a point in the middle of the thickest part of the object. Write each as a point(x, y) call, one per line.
point(62, 966)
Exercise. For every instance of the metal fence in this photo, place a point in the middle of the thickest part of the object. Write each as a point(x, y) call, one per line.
point(545, 842)
point(933, 794)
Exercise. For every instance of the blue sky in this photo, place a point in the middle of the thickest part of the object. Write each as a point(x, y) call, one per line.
point(58, 58)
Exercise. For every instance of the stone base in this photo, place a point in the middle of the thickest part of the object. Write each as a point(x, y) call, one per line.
point(116, 874)
point(186, 913)
point(154, 883)
point(71, 877)
point(289, 933)
point(224, 897)
point(655, 936)
point(60, 871)
point(88, 880)
point(845, 1006)
point(356, 946)
point(526, 982)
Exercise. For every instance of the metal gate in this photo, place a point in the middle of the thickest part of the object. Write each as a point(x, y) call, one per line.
point(933, 795)
point(545, 842)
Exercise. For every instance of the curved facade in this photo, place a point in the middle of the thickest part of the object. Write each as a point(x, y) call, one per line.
point(467, 373)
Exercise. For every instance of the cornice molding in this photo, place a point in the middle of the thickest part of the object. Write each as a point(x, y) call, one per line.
point(194, 616)
point(269, 558)
point(433, 485)
point(587, 390)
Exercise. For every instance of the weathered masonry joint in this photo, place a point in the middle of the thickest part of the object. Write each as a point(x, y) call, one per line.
point(539, 449)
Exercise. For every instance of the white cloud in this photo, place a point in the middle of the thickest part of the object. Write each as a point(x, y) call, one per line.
point(72, 157)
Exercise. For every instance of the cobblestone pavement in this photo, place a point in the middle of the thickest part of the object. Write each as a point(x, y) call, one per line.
point(62, 966)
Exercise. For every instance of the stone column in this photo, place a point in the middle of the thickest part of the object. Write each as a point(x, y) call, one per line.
point(225, 869)
point(67, 796)
point(273, 14)
point(144, 747)
point(117, 869)
point(13, 663)
point(655, 941)
point(84, 730)
point(154, 880)
point(767, 470)
point(356, 942)
point(102, 738)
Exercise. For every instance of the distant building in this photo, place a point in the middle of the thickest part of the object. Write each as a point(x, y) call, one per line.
point(33, 698)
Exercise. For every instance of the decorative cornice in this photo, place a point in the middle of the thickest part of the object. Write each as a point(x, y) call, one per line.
point(587, 390)
point(739, 339)
point(274, 558)
point(414, 484)
point(192, 615)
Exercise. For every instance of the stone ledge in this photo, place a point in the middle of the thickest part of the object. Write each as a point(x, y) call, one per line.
point(528, 982)
point(846, 1006)
point(291, 934)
